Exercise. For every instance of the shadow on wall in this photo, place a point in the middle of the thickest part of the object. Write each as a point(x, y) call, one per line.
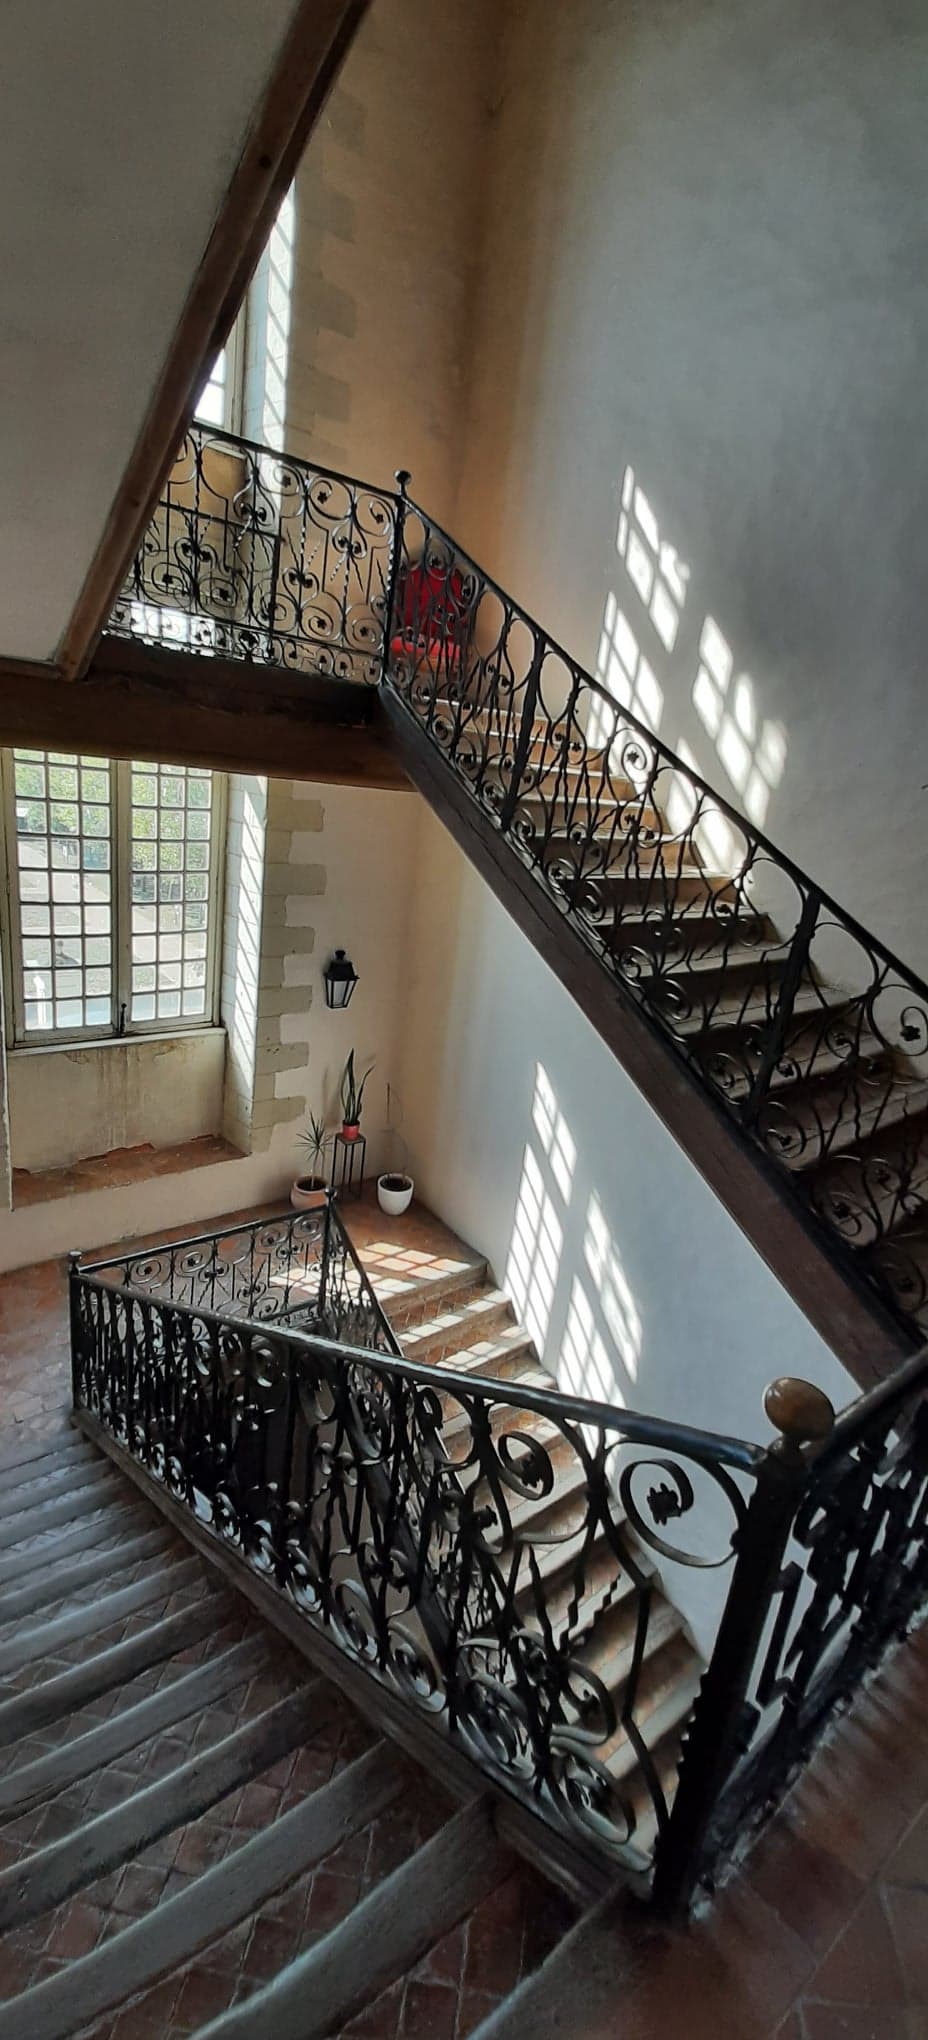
point(646, 642)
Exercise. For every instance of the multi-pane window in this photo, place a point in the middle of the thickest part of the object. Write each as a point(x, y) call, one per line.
point(220, 400)
point(113, 873)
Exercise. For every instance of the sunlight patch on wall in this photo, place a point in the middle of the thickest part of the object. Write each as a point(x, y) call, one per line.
point(628, 676)
point(753, 751)
point(654, 567)
point(554, 1133)
point(274, 340)
point(585, 1365)
point(534, 1261)
point(615, 1301)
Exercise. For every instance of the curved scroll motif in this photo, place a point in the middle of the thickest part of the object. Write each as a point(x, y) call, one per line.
point(488, 1561)
point(255, 555)
point(802, 1026)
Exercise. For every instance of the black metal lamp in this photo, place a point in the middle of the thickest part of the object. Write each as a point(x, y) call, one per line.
point(339, 978)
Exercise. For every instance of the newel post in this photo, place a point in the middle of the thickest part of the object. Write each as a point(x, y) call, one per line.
point(403, 479)
point(74, 1264)
point(721, 1724)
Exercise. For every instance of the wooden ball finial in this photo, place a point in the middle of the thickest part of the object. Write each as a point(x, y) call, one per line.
point(797, 1409)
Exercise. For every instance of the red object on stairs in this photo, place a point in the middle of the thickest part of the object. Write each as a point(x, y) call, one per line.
point(433, 618)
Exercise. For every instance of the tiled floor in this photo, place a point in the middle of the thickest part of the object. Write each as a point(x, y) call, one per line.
point(823, 1935)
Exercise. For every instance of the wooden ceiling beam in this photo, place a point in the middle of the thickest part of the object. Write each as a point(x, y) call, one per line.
point(138, 702)
point(310, 58)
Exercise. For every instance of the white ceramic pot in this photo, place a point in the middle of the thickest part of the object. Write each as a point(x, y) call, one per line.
point(394, 1193)
point(307, 1193)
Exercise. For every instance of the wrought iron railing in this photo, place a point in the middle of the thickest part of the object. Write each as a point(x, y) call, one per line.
point(803, 1027)
point(487, 1549)
point(809, 1032)
point(256, 555)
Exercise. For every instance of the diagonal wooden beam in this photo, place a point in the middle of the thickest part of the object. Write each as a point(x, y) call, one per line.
point(310, 58)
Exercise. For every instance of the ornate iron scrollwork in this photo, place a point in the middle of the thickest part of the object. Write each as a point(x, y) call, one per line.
point(809, 1032)
point(411, 1511)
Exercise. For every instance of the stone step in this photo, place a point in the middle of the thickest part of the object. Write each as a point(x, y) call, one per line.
point(51, 1584)
point(25, 1784)
point(46, 1463)
point(26, 1713)
point(29, 1889)
point(408, 1300)
point(851, 1118)
point(233, 1890)
point(509, 1357)
point(91, 1490)
point(473, 1319)
point(50, 1549)
point(47, 1639)
point(735, 1011)
point(400, 1920)
point(21, 1460)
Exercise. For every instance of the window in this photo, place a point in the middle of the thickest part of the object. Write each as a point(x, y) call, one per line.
point(220, 400)
point(114, 878)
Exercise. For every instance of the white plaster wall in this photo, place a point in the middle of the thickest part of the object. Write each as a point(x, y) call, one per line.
point(528, 1138)
point(705, 263)
point(66, 1104)
point(387, 214)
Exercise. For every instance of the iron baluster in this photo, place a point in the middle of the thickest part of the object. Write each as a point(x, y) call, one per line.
point(775, 1035)
point(524, 740)
point(397, 562)
point(722, 1725)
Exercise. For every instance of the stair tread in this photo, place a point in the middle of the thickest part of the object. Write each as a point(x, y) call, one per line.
point(67, 1540)
point(24, 1784)
point(48, 1461)
point(26, 1712)
point(36, 1519)
point(478, 1358)
point(390, 1930)
point(46, 1638)
point(31, 1887)
point(232, 1890)
point(840, 1123)
point(49, 1586)
point(744, 1012)
point(400, 1294)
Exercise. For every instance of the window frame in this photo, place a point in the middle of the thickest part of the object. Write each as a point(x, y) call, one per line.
point(120, 1027)
point(233, 389)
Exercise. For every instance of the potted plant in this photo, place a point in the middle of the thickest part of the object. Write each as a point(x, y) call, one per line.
point(395, 1188)
point(307, 1192)
point(352, 1098)
point(394, 1192)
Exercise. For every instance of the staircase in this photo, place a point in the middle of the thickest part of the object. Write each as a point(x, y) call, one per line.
point(785, 1047)
point(200, 1833)
point(703, 959)
point(465, 1324)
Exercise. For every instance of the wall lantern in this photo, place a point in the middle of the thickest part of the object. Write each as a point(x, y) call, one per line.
point(339, 978)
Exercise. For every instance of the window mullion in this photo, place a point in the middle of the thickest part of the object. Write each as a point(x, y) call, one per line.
point(11, 933)
point(122, 878)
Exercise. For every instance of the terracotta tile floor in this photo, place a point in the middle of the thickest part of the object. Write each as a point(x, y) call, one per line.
point(822, 1936)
